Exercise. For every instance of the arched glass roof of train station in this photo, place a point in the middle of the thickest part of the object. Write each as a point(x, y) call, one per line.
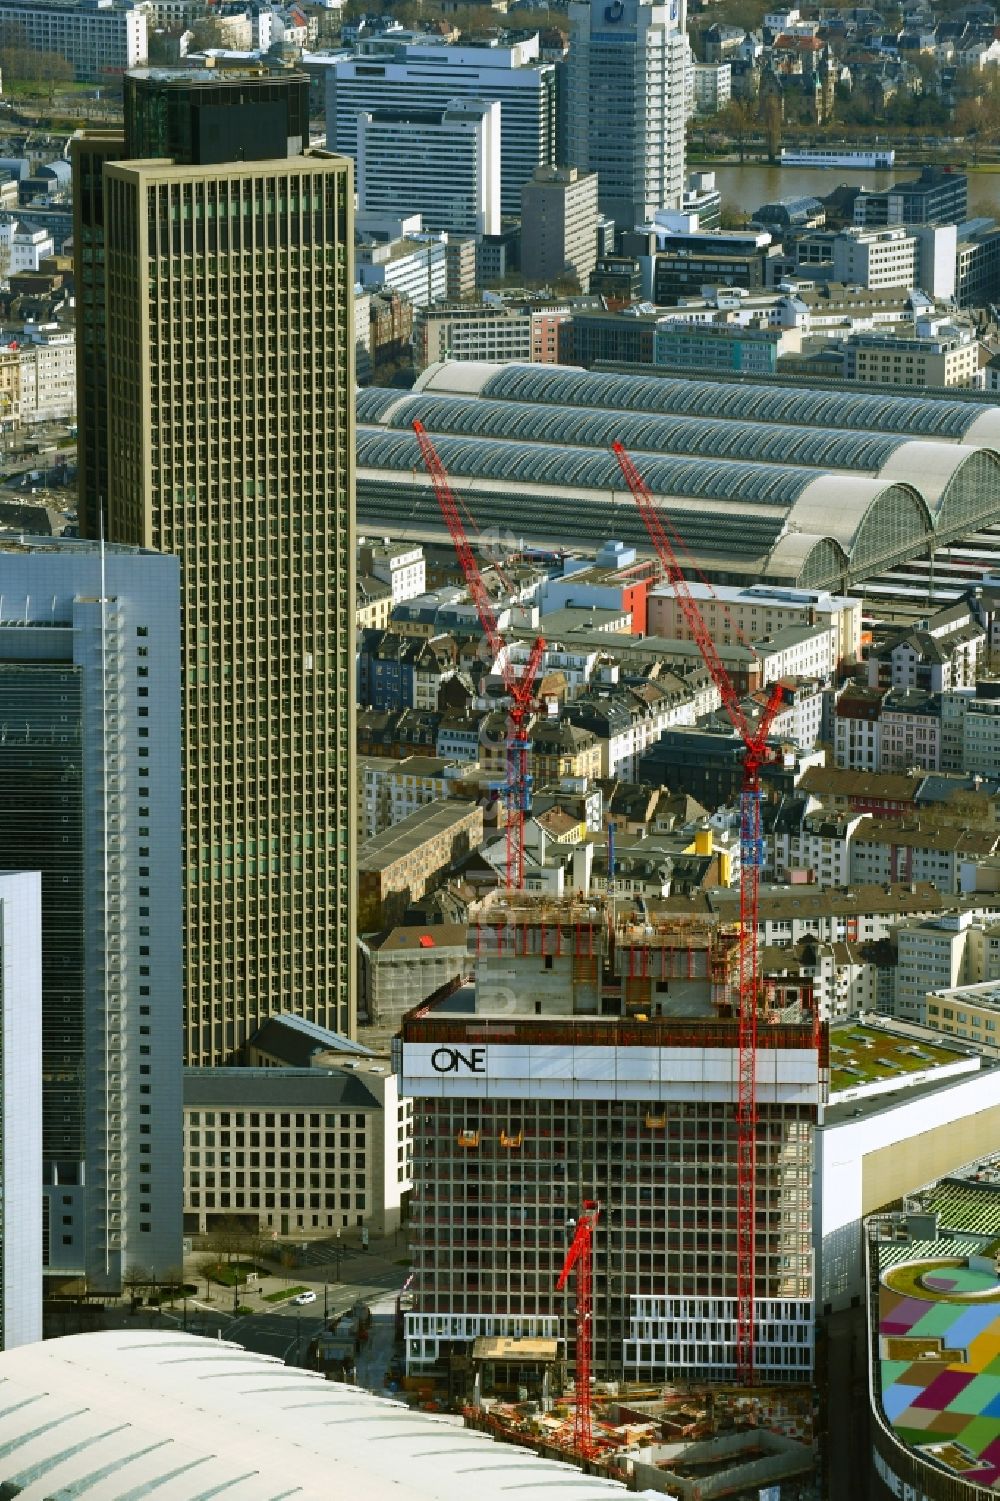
point(800, 406)
point(586, 427)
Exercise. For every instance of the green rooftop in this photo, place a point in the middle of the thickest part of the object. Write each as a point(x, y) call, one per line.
point(863, 1055)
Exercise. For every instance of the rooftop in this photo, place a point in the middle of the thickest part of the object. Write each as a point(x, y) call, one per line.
point(276, 1089)
point(134, 1412)
point(435, 818)
point(863, 1055)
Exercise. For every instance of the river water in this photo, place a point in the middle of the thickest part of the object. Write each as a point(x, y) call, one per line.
point(747, 187)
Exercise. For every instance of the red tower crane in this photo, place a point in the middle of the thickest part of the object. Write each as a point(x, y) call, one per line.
point(755, 754)
point(581, 1257)
point(520, 689)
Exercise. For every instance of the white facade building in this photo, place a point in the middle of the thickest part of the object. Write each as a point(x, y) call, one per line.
point(403, 76)
point(399, 564)
point(441, 164)
point(20, 1108)
point(876, 257)
point(415, 267)
point(47, 369)
point(28, 246)
point(626, 83)
point(757, 612)
point(713, 87)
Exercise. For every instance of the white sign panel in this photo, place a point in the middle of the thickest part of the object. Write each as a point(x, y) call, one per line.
point(564, 1071)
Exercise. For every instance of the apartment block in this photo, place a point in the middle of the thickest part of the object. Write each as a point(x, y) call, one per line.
point(943, 655)
point(90, 764)
point(559, 225)
point(949, 357)
point(101, 41)
point(404, 862)
point(21, 1212)
point(940, 954)
point(184, 341)
point(591, 1060)
point(441, 164)
point(399, 564)
point(969, 1012)
point(390, 790)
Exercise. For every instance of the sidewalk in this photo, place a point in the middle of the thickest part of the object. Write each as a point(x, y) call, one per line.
point(329, 1262)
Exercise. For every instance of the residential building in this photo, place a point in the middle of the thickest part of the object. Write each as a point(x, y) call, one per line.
point(713, 87)
point(101, 41)
point(625, 81)
point(26, 245)
point(90, 764)
point(443, 164)
point(263, 527)
point(392, 789)
point(857, 731)
point(559, 225)
point(21, 1211)
point(304, 1151)
point(938, 954)
point(940, 195)
point(810, 846)
point(401, 864)
point(910, 730)
point(909, 852)
point(938, 657)
point(423, 74)
point(373, 603)
point(399, 564)
point(460, 267)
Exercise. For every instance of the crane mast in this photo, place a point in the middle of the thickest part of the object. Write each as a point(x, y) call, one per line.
point(520, 690)
point(755, 755)
point(580, 1257)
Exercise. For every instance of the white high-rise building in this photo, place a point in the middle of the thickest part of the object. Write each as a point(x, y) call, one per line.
point(404, 76)
point(443, 164)
point(626, 108)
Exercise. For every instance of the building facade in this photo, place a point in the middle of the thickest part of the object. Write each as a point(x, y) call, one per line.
point(90, 764)
point(559, 225)
point(101, 41)
point(260, 515)
point(441, 164)
point(20, 1108)
point(422, 75)
point(625, 81)
point(571, 1100)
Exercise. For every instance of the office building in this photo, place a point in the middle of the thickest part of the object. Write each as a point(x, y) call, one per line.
point(20, 1108)
point(401, 76)
point(441, 164)
point(406, 262)
point(940, 195)
point(559, 225)
point(90, 764)
point(305, 1151)
point(946, 356)
point(876, 258)
point(100, 40)
point(626, 103)
point(228, 352)
point(682, 344)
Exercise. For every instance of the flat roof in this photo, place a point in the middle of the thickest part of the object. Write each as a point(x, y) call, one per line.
point(860, 1054)
point(138, 1411)
point(410, 833)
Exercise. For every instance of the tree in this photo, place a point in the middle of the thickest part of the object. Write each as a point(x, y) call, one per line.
point(738, 120)
point(206, 1268)
point(227, 1239)
point(135, 1277)
point(770, 112)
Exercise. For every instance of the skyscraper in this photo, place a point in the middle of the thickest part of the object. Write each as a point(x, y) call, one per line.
point(90, 768)
point(227, 337)
point(625, 106)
